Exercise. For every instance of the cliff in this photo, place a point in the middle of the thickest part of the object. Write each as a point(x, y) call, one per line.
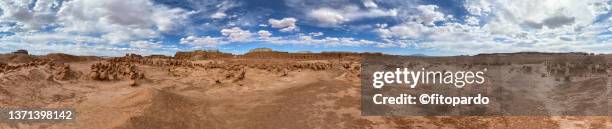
point(202, 54)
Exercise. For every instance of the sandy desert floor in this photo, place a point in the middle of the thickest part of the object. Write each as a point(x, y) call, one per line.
point(129, 93)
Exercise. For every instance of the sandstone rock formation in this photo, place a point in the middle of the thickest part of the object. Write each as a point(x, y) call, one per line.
point(304, 56)
point(282, 90)
point(115, 71)
point(21, 51)
point(202, 54)
point(267, 53)
point(56, 71)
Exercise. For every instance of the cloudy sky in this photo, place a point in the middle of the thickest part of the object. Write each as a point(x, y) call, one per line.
point(431, 27)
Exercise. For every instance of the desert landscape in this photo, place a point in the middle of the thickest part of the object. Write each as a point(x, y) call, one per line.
point(265, 89)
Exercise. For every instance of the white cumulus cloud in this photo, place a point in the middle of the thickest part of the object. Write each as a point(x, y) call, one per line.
point(28, 19)
point(285, 24)
point(331, 16)
point(428, 15)
point(119, 21)
point(264, 33)
point(236, 34)
point(369, 4)
point(205, 41)
point(505, 26)
point(222, 8)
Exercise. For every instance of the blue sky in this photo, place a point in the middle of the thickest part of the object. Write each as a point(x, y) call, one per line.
point(431, 27)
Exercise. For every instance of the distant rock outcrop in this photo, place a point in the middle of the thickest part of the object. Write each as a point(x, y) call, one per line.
point(269, 53)
point(21, 51)
point(61, 57)
point(261, 50)
point(202, 54)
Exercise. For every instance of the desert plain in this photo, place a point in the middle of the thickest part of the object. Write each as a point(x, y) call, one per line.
point(266, 89)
